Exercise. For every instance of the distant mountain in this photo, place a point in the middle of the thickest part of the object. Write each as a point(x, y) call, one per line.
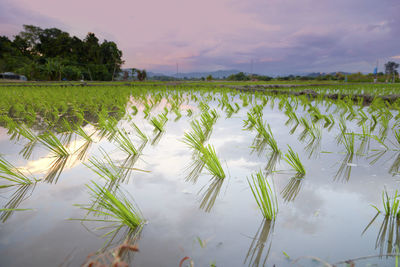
point(197, 75)
point(316, 74)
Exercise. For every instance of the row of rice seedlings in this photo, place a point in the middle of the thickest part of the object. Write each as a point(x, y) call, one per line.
point(293, 160)
point(264, 195)
point(112, 207)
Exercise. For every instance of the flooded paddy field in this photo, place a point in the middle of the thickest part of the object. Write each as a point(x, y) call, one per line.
point(163, 175)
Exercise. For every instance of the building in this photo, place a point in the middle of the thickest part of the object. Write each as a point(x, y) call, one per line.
point(12, 76)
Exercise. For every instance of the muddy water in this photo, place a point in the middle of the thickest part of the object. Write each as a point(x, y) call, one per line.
point(323, 215)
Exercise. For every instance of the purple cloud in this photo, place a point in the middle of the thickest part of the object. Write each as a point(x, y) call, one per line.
point(278, 36)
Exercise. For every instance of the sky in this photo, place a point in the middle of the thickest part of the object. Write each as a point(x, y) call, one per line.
point(272, 37)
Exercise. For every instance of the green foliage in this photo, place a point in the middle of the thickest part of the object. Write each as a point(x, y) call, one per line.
point(264, 194)
point(212, 164)
point(293, 160)
point(112, 207)
point(53, 54)
point(12, 174)
point(390, 204)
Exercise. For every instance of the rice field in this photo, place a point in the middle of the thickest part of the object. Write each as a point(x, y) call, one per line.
point(204, 174)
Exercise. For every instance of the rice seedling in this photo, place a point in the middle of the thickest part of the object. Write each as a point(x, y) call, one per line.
point(82, 151)
point(348, 142)
point(12, 174)
point(212, 163)
point(390, 204)
point(264, 195)
point(139, 133)
point(268, 136)
point(112, 207)
point(159, 122)
point(50, 141)
point(395, 167)
point(293, 160)
point(208, 119)
point(105, 168)
point(196, 138)
point(125, 143)
point(33, 139)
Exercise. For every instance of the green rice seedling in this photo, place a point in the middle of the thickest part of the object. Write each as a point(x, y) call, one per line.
point(112, 207)
point(373, 124)
point(189, 112)
point(203, 106)
point(397, 136)
point(390, 204)
point(212, 163)
point(105, 168)
point(395, 167)
point(50, 141)
point(125, 143)
point(159, 122)
point(108, 126)
point(134, 110)
point(293, 160)
point(196, 138)
point(12, 174)
point(55, 169)
point(177, 113)
point(82, 151)
point(33, 140)
point(208, 119)
point(264, 195)
point(139, 133)
point(274, 158)
point(308, 129)
point(265, 133)
point(348, 142)
point(251, 121)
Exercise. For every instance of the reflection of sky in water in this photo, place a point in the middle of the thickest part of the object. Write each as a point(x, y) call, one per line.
point(325, 218)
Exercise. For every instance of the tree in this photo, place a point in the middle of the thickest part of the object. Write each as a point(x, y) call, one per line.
point(141, 75)
point(238, 77)
point(391, 69)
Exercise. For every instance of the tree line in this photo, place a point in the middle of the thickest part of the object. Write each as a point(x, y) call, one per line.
point(52, 54)
point(390, 75)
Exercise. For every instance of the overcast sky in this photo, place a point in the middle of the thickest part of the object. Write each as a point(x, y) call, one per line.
point(278, 36)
